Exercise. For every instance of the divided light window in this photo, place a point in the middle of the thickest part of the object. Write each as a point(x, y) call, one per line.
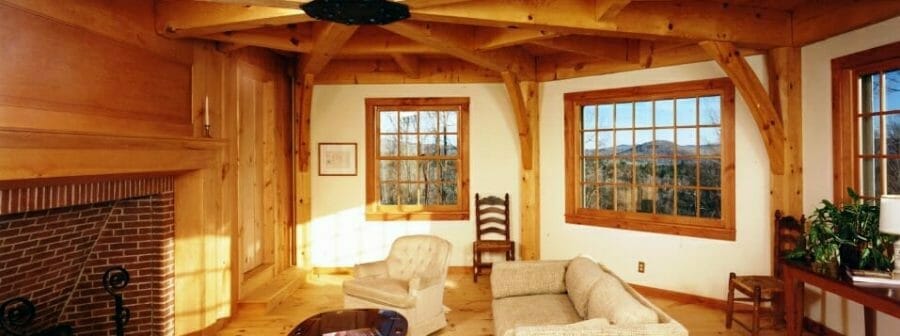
point(417, 158)
point(654, 158)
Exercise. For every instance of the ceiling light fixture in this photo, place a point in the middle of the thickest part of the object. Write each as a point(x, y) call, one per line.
point(357, 12)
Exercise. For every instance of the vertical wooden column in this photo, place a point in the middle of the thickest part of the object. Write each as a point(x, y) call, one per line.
point(303, 181)
point(524, 98)
point(785, 90)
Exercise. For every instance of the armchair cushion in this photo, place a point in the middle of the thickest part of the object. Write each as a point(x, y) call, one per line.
point(390, 292)
point(373, 269)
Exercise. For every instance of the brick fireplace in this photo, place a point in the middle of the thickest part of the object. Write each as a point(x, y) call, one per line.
point(58, 238)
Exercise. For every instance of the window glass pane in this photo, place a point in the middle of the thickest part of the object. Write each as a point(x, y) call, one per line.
point(893, 176)
point(892, 90)
point(665, 201)
point(388, 144)
point(589, 117)
point(643, 142)
point(624, 199)
point(643, 114)
point(447, 123)
point(606, 170)
point(606, 197)
point(644, 171)
point(428, 122)
point(450, 145)
point(870, 135)
point(449, 171)
point(409, 122)
point(623, 170)
point(710, 204)
point(409, 170)
point(665, 172)
point(687, 172)
point(710, 173)
point(605, 116)
point(389, 193)
point(710, 110)
point(870, 177)
point(871, 91)
point(687, 202)
point(434, 194)
point(388, 170)
point(605, 143)
point(409, 193)
point(450, 193)
point(665, 113)
point(429, 144)
point(686, 111)
point(710, 141)
point(590, 197)
point(665, 142)
point(687, 141)
point(624, 117)
point(892, 130)
point(430, 170)
point(589, 170)
point(387, 122)
point(589, 143)
point(408, 145)
point(623, 142)
point(645, 199)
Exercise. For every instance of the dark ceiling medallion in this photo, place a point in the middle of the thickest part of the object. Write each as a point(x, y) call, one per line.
point(357, 12)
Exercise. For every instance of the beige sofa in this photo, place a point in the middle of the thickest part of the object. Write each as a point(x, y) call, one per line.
point(573, 298)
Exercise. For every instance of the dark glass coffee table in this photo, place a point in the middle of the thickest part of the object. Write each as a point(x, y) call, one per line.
point(353, 322)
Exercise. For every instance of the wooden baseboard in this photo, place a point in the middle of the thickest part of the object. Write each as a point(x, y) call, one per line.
point(818, 328)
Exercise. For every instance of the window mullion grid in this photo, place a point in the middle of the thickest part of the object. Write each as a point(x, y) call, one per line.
point(653, 159)
point(675, 185)
point(697, 157)
point(883, 132)
point(634, 184)
point(615, 157)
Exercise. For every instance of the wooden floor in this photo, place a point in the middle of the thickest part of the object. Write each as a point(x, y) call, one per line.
point(470, 315)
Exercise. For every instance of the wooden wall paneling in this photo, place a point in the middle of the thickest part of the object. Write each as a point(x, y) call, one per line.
point(270, 201)
point(249, 197)
point(123, 89)
point(303, 181)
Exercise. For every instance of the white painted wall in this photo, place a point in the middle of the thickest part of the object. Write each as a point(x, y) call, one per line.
point(684, 264)
point(841, 315)
point(340, 235)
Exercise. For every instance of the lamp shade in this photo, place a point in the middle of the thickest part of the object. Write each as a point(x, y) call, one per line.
point(890, 214)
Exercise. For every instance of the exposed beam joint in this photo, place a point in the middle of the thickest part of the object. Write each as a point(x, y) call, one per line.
point(408, 63)
point(329, 39)
point(592, 46)
point(520, 109)
point(609, 9)
point(193, 18)
point(495, 38)
point(748, 84)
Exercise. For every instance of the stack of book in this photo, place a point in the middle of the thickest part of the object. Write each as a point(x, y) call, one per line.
point(874, 278)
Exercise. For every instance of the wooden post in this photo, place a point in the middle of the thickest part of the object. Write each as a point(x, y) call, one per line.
point(785, 90)
point(303, 181)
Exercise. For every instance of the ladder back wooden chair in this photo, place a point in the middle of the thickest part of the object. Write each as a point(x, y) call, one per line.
point(764, 288)
point(491, 223)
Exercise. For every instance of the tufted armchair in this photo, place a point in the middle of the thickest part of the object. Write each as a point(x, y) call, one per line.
point(410, 281)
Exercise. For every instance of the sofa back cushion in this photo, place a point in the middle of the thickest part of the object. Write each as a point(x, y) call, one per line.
point(528, 278)
point(581, 275)
point(610, 300)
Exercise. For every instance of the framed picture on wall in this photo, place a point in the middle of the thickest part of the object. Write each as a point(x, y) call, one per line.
point(337, 159)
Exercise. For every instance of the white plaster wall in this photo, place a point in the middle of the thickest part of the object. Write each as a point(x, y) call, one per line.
point(684, 264)
point(340, 235)
point(841, 315)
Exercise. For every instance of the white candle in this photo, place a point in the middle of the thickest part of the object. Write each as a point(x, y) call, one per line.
point(206, 111)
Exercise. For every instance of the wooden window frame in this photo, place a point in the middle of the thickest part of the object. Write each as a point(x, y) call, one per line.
point(722, 229)
point(845, 99)
point(377, 212)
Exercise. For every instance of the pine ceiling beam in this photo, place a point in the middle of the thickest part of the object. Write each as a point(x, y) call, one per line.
point(176, 18)
point(591, 46)
point(817, 20)
point(748, 84)
point(293, 4)
point(330, 37)
point(368, 41)
point(265, 40)
point(408, 63)
point(458, 42)
point(361, 43)
point(608, 9)
point(495, 38)
point(694, 20)
point(431, 3)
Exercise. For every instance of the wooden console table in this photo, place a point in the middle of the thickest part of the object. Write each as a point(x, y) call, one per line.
point(872, 298)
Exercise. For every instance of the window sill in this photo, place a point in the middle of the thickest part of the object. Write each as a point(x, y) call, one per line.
point(416, 216)
point(700, 231)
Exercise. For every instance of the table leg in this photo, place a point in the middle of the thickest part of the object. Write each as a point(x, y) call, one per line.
point(793, 303)
point(871, 325)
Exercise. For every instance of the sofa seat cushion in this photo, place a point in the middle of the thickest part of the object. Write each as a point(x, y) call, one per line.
point(581, 275)
point(612, 301)
point(532, 310)
point(386, 291)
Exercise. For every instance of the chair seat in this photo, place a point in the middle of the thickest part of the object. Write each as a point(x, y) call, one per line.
point(768, 285)
point(386, 291)
point(493, 245)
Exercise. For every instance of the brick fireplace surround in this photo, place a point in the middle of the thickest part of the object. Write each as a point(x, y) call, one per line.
point(57, 240)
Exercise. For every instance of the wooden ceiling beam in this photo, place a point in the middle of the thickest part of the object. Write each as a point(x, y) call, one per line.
point(301, 41)
point(431, 3)
point(408, 63)
point(748, 84)
point(368, 41)
point(608, 9)
point(330, 37)
point(591, 46)
point(457, 41)
point(292, 4)
point(817, 20)
point(496, 38)
point(192, 18)
point(694, 20)
point(430, 71)
point(265, 40)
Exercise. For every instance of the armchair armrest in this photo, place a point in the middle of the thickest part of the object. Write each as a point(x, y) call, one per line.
point(377, 269)
point(416, 284)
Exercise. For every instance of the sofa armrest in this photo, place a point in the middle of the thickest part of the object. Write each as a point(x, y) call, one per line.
point(653, 329)
point(516, 278)
point(377, 269)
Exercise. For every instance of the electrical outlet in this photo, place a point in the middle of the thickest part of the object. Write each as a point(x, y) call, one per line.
point(640, 267)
